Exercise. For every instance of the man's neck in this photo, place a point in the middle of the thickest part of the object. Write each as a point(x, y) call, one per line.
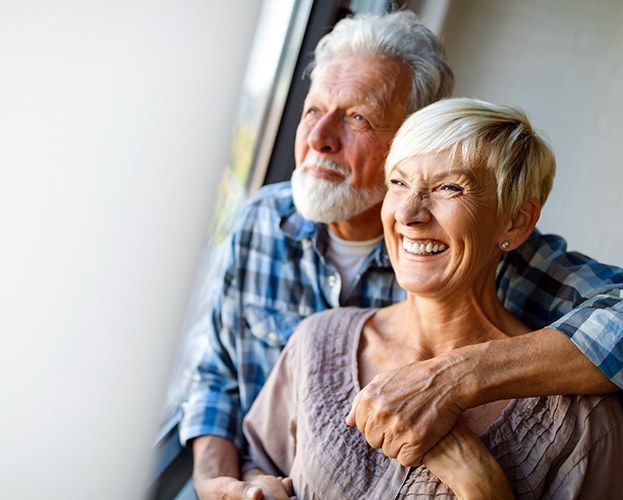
point(365, 226)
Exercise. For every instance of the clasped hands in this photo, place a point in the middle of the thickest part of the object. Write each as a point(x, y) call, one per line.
point(411, 414)
point(254, 485)
point(406, 411)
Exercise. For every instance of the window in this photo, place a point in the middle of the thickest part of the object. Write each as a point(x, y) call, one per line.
point(262, 152)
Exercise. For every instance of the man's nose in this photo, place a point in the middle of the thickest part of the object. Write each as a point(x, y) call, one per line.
point(414, 209)
point(325, 136)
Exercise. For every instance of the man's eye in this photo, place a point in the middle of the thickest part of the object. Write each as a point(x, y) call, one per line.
point(360, 120)
point(396, 182)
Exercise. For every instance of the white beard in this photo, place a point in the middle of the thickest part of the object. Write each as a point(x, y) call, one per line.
point(322, 200)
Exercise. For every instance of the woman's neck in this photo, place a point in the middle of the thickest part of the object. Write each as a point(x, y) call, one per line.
point(422, 328)
point(432, 326)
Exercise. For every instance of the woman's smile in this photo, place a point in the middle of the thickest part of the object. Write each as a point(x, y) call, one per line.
point(423, 247)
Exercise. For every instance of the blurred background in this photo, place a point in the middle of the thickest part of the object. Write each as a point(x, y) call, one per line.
point(115, 124)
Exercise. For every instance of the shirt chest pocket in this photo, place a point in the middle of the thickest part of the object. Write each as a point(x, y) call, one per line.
point(271, 326)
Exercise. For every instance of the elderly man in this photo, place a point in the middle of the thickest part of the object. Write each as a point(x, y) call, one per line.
point(316, 243)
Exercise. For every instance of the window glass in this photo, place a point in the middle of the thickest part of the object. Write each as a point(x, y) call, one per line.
point(269, 72)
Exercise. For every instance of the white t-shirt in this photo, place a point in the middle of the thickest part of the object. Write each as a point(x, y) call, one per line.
point(348, 257)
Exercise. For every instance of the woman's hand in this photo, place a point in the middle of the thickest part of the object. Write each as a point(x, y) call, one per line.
point(226, 488)
point(462, 462)
point(271, 487)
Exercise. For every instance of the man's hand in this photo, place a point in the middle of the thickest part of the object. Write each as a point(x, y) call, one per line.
point(262, 487)
point(216, 471)
point(406, 411)
point(227, 488)
point(216, 474)
point(272, 488)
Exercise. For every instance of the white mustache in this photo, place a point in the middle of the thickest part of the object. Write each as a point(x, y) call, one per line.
point(317, 161)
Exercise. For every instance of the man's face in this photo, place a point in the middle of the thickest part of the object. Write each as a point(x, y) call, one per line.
point(352, 110)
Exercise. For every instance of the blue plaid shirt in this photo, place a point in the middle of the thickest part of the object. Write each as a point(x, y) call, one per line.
point(278, 273)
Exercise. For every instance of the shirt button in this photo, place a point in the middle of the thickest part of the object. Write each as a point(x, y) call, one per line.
point(332, 280)
point(272, 337)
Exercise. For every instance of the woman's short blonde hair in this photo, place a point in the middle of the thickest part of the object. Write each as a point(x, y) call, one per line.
point(480, 134)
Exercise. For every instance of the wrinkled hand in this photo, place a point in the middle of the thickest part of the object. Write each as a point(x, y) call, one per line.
point(274, 488)
point(463, 463)
point(226, 488)
point(406, 411)
point(261, 487)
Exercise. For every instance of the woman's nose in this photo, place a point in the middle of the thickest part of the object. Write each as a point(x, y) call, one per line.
point(325, 134)
point(414, 209)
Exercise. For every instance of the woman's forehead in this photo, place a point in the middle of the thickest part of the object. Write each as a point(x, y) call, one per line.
point(439, 165)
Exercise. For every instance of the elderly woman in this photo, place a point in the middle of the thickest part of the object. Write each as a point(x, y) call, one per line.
point(466, 182)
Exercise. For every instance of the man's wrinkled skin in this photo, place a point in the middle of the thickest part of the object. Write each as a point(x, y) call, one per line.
point(406, 411)
point(389, 406)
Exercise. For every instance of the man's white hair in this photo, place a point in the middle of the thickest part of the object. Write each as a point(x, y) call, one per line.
point(397, 35)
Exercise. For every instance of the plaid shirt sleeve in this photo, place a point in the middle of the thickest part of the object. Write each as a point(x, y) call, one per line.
point(257, 305)
point(206, 410)
point(545, 285)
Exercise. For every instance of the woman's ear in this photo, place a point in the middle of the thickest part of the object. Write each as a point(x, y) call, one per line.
point(521, 225)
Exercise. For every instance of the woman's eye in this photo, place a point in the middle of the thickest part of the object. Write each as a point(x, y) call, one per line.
point(449, 187)
point(396, 182)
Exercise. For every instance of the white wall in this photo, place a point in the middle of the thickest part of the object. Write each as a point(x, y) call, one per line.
point(562, 62)
point(115, 125)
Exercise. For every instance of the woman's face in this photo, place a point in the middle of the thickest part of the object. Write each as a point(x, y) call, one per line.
point(441, 226)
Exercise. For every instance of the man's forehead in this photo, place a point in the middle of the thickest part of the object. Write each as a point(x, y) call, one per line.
point(354, 70)
point(369, 82)
point(342, 93)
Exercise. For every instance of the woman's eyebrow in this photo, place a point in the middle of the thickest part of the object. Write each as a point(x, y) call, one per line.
point(443, 174)
point(467, 172)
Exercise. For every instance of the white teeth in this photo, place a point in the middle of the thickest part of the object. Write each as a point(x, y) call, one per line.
point(422, 248)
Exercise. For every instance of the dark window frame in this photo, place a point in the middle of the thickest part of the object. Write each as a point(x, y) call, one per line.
point(323, 16)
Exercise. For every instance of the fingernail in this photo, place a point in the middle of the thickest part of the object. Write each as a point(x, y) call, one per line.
point(250, 492)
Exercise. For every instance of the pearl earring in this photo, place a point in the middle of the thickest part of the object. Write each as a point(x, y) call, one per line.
point(505, 245)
